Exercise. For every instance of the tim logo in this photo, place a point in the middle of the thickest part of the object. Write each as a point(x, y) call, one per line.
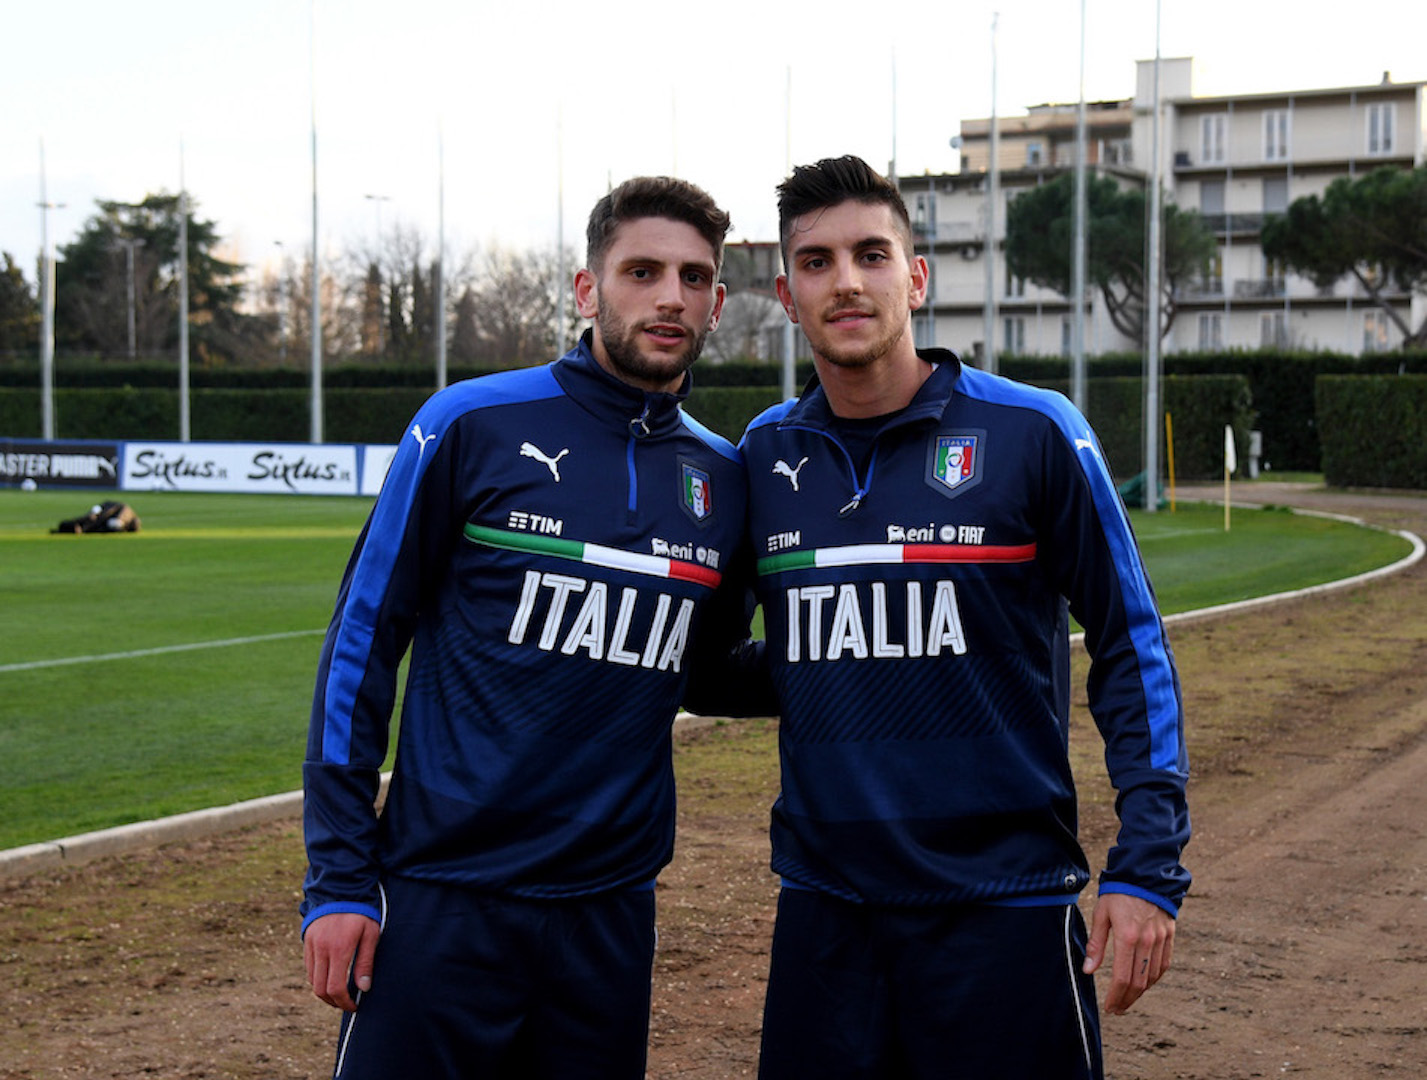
point(954, 462)
point(698, 495)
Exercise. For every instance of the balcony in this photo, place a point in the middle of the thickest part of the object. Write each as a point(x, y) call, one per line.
point(1223, 224)
point(947, 232)
point(1260, 289)
point(1209, 288)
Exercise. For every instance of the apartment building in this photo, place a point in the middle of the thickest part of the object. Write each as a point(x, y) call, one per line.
point(1235, 159)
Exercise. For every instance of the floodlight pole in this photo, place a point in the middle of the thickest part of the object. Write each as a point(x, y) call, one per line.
point(790, 340)
point(988, 312)
point(1153, 422)
point(184, 427)
point(440, 327)
point(129, 243)
point(560, 268)
point(315, 435)
point(47, 309)
point(1077, 274)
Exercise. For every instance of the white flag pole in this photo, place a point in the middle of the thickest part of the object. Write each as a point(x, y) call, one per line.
point(1231, 462)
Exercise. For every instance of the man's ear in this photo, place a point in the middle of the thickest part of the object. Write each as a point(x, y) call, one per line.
point(587, 294)
point(720, 296)
point(785, 297)
point(921, 275)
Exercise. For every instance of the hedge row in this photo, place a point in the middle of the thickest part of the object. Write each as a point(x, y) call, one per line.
point(1374, 430)
point(348, 416)
point(1281, 383)
point(1200, 408)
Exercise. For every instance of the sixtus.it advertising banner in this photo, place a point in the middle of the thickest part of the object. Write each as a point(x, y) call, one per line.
point(253, 468)
point(30, 463)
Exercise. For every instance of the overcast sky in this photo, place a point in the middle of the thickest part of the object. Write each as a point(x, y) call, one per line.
point(533, 101)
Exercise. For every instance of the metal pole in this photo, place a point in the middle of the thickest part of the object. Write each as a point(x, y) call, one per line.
point(184, 432)
point(1152, 406)
point(47, 309)
point(315, 435)
point(992, 193)
point(1077, 271)
point(129, 243)
point(790, 340)
point(560, 268)
point(440, 259)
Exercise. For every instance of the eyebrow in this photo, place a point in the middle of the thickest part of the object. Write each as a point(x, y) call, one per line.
point(654, 260)
point(860, 245)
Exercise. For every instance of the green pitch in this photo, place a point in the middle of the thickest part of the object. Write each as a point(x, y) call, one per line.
point(171, 670)
point(115, 703)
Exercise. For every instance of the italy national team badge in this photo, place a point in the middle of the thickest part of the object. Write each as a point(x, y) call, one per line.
point(698, 493)
point(955, 462)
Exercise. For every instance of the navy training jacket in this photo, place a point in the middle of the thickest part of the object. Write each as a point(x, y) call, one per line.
point(917, 631)
point(550, 542)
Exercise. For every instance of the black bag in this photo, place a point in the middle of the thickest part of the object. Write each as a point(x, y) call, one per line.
point(106, 517)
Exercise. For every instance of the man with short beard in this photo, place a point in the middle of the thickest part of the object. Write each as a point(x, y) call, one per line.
point(551, 543)
point(921, 529)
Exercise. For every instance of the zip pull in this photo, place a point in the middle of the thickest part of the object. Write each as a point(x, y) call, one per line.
point(639, 426)
point(861, 492)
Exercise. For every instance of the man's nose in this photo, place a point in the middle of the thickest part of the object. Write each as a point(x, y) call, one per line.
point(671, 294)
point(848, 277)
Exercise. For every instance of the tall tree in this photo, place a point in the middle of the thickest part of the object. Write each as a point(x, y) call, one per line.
point(515, 298)
point(1039, 227)
point(1372, 228)
point(19, 310)
point(124, 265)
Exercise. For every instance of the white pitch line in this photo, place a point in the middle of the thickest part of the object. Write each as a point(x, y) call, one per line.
point(33, 665)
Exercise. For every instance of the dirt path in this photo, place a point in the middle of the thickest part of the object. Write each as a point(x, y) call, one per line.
point(1302, 949)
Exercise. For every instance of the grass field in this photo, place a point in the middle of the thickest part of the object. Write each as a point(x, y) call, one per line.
point(171, 670)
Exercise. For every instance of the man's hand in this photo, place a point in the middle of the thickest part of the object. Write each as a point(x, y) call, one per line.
point(336, 946)
point(1144, 945)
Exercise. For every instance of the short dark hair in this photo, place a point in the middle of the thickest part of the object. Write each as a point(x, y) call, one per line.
point(655, 196)
point(831, 182)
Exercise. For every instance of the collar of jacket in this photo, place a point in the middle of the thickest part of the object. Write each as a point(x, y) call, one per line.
point(643, 413)
point(930, 402)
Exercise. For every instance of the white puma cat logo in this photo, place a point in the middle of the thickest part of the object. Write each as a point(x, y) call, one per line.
point(782, 468)
point(421, 440)
point(530, 450)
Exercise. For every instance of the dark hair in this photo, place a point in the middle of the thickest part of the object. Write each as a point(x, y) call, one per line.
point(833, 181)
point(654, 196)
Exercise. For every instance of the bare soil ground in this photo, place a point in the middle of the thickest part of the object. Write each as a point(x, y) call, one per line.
point(1302, 949)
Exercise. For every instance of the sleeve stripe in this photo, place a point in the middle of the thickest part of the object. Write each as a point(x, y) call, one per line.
point(1146, 633)
point(356, 628)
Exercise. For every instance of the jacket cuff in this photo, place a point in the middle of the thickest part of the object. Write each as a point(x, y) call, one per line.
point(341, 907)
point(1143, 894)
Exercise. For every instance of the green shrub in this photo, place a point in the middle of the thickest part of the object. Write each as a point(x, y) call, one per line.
point(1374, 430)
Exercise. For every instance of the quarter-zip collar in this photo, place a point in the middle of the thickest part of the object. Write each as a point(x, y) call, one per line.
point(811, 412)
point(642, 414)
point(930, 402)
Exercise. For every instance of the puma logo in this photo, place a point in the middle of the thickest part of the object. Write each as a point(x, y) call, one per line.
point(530, 450)
point(782, 468)
point(421, 440)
